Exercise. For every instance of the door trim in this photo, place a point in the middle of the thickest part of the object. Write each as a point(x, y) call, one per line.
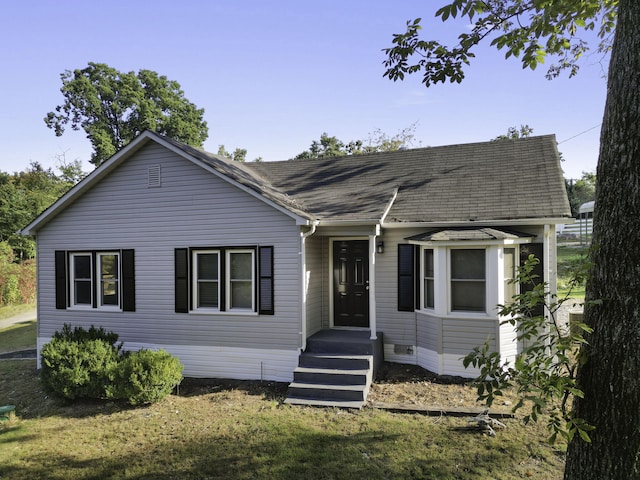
point(331, 286)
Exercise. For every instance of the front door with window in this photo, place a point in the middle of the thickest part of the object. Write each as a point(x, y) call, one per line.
point(351, 283)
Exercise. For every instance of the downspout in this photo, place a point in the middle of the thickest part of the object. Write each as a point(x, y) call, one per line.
point(546, 277)
point(304, 283)
point(373, 245)
point(372, 284)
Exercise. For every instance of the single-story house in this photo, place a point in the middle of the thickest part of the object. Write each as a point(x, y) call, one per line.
point(234, 267)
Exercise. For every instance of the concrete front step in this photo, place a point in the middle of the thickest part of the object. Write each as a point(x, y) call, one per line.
point(311, 391)
point(342, 362)
point(330, 376)
point(336, 369)
point(324, 403)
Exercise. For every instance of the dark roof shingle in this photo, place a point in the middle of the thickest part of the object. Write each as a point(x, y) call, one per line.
point(497, 180)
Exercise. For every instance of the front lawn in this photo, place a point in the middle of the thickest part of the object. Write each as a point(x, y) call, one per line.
point(241, 430)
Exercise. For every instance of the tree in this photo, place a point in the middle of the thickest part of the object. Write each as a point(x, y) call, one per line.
point(581, 191)
point(525, 131)
point(238, 155)
point(610, 362)
point(23, 196)
point(113, 107)
point(377, 141)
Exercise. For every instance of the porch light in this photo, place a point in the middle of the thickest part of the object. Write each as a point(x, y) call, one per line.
point(380, 247)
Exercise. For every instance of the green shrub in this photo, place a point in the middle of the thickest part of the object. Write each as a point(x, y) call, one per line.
point(78, 368)
point(80, 363)
point(146, 376)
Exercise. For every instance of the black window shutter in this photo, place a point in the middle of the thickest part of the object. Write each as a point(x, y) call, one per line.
point(182, 280)
point(537, 250)
point(61, 279)
point(265, 282)
point(406, 277)
point(128, 281)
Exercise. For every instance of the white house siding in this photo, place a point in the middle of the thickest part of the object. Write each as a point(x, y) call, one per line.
point(398, 328)
point(460, 336)
point(315, 283)
point(192, 208)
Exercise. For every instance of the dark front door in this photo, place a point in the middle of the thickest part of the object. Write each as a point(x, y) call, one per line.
point(351, 283)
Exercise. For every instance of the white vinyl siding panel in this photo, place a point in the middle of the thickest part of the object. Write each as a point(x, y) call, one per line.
point(192, 208)
point(315, 283)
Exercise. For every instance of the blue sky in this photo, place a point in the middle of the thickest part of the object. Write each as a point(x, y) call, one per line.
point(272, 76)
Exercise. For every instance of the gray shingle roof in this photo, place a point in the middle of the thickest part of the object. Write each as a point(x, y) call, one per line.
point(498, 180)
point(461, 234)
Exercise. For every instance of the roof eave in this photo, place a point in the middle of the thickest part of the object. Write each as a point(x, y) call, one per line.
point(479, 223)
point(300, 217)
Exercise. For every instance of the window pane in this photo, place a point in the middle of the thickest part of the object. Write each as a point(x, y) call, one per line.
point(428, 263)
point(467, 264)
point(109, 272)
point(82, 266)
point(241, 295)
point(509, 274)
point(109, 266)
point(207, 266)
point(241, 266)
point(208, 294)
point(428, 293)
point(468, 296)
point(110, 293)
point(82, 292)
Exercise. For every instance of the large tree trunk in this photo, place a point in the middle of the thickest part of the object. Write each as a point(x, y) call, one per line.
point(610, 377)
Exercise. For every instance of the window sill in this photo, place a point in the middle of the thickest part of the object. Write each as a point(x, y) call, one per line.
point(89, 308)
point(457, 314)
point(246, 313)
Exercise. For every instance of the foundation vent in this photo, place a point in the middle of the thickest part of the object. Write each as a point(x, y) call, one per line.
point(403, 349)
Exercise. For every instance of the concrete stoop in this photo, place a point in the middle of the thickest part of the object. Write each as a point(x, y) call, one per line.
point(336, 370)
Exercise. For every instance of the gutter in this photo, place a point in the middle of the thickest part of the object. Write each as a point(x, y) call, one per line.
point(303, 282)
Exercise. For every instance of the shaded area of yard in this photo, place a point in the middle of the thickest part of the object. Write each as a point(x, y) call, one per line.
point(238, 430)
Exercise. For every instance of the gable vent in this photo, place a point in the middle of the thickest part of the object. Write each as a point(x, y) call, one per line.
point(153, 176)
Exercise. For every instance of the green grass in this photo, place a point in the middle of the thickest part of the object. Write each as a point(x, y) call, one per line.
point(569, 260)
point(242, 430)
point(12, 310)
point(20, 336)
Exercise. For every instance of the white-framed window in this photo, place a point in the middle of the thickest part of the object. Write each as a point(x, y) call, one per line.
point(428, 279)
point(206, 279)
point(240, 280)
point(468, 281)
point(109, 279)
point(454, 279)
point(223, 279)
point(81, 275)
point(509, 275)
point(95, 280)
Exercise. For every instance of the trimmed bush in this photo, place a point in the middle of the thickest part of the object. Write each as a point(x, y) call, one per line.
point(79, 363)
point(146, 376)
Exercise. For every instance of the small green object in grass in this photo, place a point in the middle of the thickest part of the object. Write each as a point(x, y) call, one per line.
point(5, 411)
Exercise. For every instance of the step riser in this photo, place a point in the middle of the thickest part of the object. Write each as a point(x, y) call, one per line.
point(339, 348)
point(337, 363)
point(323, 394)
point(329, 379)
